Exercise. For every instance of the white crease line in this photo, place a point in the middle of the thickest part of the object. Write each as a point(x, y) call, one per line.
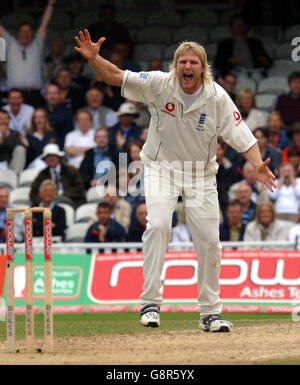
point(275, 355)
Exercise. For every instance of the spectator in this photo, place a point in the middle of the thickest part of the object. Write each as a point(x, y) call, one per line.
point(144, 134)
point(250, 179)
point(266, 227)
point(125, 51)
point(102, 116)
point(39, 135)
point(18, 218)
point(155, 65)
point(277, 136)
point(294, 160)
point(232, 229)
point(67, 178)
point(20, 113)
point(226, 176)
point(266, 151)
point(294, 134)
point(120, 209)
point(105, 229)
point(181, 233)
point(245, 102)
point(56, 58)
point(134, 149)
point(12, 151)
point(60, 115)
point(112, 95)
point(131, 192)
point(294, 234)
point(240, 51)
point(288, 105)
point(78, 142)
point(126, 130)
point(24, 57)
point(75, 65)
point(3, 86)
point(287, 194)
point(229, 83)
point(108, 27)
point(47, 196)
point(69, 94)
point(143, 118)
point(247, 205)
point(103, 152)
point(138, 226)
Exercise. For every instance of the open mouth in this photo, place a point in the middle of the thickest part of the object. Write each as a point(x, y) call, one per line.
point(188, 76)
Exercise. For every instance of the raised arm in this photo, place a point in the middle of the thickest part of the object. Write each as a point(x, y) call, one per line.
point(42, 31)
point(110, 73)
point(263, 173)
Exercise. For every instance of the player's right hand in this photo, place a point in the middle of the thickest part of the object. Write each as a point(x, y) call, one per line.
point(87, 48)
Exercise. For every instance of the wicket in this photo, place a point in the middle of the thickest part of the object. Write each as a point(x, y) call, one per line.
point(29, 295)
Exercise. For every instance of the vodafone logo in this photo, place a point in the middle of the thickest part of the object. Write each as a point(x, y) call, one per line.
point(28, 239)
point(48, 238)
point(169, 108)
point(237, 117)
point(10, 239)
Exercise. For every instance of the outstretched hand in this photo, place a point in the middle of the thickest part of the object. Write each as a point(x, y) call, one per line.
point(265, 176)
point(87, 48)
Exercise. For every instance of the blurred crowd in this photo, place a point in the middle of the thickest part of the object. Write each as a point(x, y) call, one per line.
point(57, 117)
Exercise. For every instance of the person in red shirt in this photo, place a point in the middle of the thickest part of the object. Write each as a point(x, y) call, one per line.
point(294, 134)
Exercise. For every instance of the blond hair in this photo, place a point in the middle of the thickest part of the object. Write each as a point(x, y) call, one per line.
point(199, 50)
point(259, 208)
point(245, 93)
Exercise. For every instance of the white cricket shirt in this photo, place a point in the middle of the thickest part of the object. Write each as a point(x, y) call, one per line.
point(180, 134)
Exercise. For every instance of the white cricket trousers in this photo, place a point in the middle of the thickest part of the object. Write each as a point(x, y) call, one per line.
point(202, 216)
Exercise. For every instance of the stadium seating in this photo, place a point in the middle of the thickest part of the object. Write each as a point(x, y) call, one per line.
point(190, 33)
point(95, 194)
point(8, 179)
point(146, 52)
point(283, 67)
point(27, 176)
point(291, 32)
point(203, 17)
point(76, 232)
point(219, 33)
point(284, 51)
point(273, 84)
point(168, 19)
point(266, 102)
point(70, 213)
point(266, 31)
point(20, 195)
point(153, 35)
point(85, 212)
point(244, 82)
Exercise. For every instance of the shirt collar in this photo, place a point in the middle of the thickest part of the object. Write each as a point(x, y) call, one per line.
point(208, 91)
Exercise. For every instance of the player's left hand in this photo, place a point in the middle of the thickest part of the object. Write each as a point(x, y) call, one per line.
point(265, 176)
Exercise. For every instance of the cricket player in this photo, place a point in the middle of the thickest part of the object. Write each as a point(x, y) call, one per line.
point(188, 112)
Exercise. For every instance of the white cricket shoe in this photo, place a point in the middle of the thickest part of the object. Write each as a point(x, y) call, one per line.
point(150, 315)
point(214, 323)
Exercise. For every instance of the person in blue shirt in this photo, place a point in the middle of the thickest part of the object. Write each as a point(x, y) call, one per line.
point(247, 205)
point(105, 229)
point(267, 151)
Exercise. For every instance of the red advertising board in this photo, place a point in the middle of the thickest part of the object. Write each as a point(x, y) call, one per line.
point(247, 276)
point(2, 272)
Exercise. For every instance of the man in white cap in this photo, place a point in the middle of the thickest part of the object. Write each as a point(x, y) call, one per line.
point(126, 130)
point(67, 178)
point(188, 113)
